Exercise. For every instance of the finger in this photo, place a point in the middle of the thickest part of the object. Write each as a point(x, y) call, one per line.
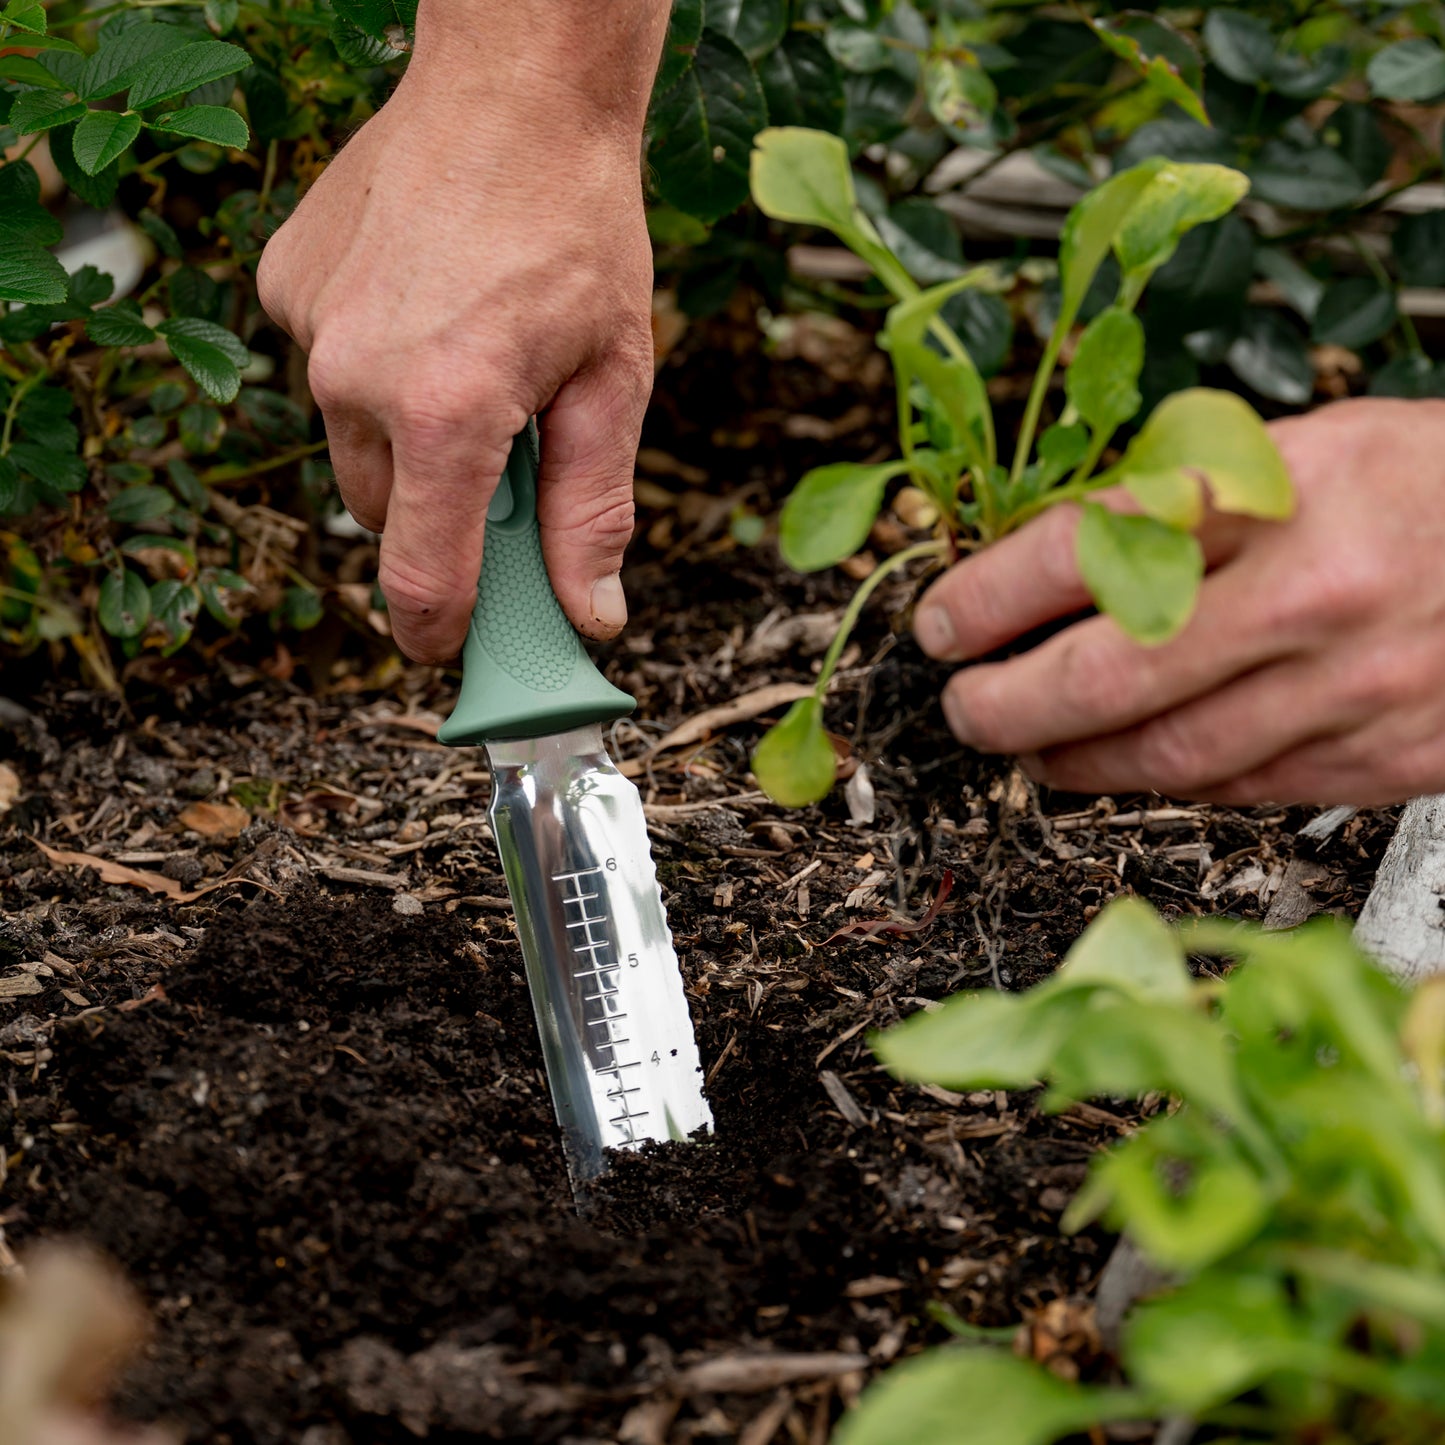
point(1202, 745)
point(445, 469)
point(1027, 579)
point(361, 459)
point(1091, 679)
point(584, 499)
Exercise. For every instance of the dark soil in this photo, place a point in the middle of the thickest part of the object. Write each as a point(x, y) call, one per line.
point(305, 1109)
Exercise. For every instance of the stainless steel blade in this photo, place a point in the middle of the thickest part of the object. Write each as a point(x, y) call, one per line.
point(622, 1062)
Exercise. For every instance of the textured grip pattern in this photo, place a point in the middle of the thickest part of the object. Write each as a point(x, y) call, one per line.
point(517, 618)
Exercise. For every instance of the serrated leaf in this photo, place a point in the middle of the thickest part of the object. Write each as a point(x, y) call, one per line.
point(124, 607)
point(703, 129)
point(97, 190)
point(174, 72)
point(218, 124)
point(39, 110)
point(90, 286)
point(62, 470)
point(27, 71)
point(794, 763)
point(119, 325)
point(1141, 573)
point(377, 18)
point(26, 15)
point(28, 272)
point(1103, 379)
point(361, 50)
point(828, 514)
point(211, 369)
point(221, 15)
point(121, 58)
point(194, 328)
point(101, 137)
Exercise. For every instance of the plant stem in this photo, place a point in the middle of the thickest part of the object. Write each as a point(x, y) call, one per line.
point(237, 471)
point(16, 397)
point(936, 548)
point(1035, 406)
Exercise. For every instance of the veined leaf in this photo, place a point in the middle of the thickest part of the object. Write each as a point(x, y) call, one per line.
point(119, 325)
point(125, 604)
point(218, 124)
point(28, 15)
point(1103, 379)
point(27, 71)
point(210, 353)
point(102, 136)
point(174, 72)
point(123, 56)
point(38, 110)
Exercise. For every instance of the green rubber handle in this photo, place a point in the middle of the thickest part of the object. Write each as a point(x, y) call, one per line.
point(525, 672)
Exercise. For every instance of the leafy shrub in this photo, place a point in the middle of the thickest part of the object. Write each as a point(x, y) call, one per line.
point(1143, 570)
point(1295, 1196)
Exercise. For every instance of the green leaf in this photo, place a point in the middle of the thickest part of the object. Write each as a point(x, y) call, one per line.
point(28, 272)
point(1304, 178)
point(1409, 375)
point(189, 487)
point(174, 605)
point(1270, 355)
point(1354, 312)
point(984, 324)
point(125, 604)
point(965, 1395)
point(27, 71)
point(802, 84)
point(1408, 70)
point(684, 30)
point(28, 15)
point(1089, 232)
point(958, 92)
point(102, 136)
point(1206, 280)
point(1419, 245)
point(1240, 44)
point(361, 50)
point(62, 470)
point(794, 763)
point(139, 504)
point(703, 129)
point(1128, 947)
point(1143, 574)
point(1103, 379)
point(875, 107)
point(1175, 498)
point(97, 190)
point(218, 124)
point(174, 72)
point(38, 110)
point(1158, 71)
point(90, 286)
point(221, 592)
point(983, 1040)
point(1307, 77)
point(201, 429)
point(805, 176)
point(1211, 1340)
point(210, 353)
point(1176, 199)
point(1221, 436)
point(755, 26)
point(119, 325)
point(120, 59)
point(828, 515)
point(44, 417)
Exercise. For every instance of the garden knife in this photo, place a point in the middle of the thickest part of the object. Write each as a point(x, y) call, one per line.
point(617, 1039)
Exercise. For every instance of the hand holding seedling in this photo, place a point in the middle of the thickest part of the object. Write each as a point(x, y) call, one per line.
point(478, 254)
point(1313, 667)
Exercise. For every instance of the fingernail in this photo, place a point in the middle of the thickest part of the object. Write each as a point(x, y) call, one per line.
point(933, 628)
point(956, 718)
point(609, 604)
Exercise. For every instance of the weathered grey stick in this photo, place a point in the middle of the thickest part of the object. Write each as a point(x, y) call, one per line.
point(1403, 921)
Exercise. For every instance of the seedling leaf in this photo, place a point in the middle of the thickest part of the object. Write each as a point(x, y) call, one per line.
point(1143, 574)
point(795, 763)
point(829, 513)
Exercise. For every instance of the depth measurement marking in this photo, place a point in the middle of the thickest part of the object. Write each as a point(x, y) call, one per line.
point(605, 974)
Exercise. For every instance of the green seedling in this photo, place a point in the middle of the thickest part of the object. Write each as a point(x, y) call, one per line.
point(1294, 1195)
point(1196, 449)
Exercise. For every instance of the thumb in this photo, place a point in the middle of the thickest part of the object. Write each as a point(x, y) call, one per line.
point(584, 494)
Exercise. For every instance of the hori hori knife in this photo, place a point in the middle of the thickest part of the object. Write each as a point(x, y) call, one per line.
point(617, 1039)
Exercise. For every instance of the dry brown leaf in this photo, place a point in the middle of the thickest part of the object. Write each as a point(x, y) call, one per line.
point(216, 820)
point(714, 719)
point(20, 984)
point(750, 1373)
point(9, 787)
point(111, 872)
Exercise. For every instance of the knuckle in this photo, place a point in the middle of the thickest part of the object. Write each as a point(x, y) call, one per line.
point(328, 375)
point(412, 590)
point(1381, 676)
point(1343, 589)
point(607, 524)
